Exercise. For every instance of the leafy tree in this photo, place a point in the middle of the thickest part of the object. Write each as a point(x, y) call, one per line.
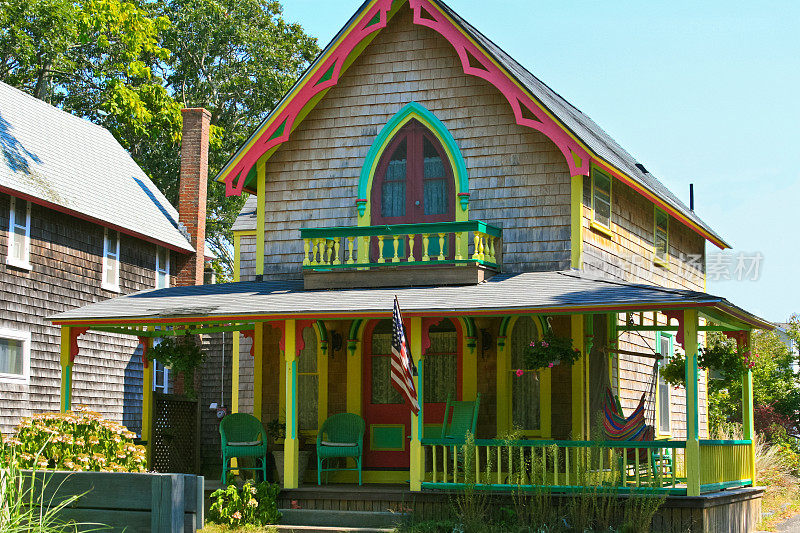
point(236, 58)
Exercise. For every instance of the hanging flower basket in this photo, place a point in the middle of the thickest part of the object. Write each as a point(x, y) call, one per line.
point(551, 350)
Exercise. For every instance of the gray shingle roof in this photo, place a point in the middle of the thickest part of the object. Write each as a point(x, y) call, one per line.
point(542, 291)
point(65, 161)
point(583, 127)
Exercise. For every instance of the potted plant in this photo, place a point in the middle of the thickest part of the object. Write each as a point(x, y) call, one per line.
point(551, 350)
point(277, 430)
point(184, 355)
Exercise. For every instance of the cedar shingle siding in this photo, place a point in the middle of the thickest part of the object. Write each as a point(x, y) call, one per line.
point(66, 256)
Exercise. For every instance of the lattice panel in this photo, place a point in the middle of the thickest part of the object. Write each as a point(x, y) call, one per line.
point(176, 430)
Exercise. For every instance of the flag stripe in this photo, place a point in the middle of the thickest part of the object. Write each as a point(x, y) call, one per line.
point(402, 369)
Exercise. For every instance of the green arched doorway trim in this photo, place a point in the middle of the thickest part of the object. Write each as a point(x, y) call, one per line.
point(413, 110)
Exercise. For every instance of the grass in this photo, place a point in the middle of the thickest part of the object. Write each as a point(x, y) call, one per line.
point(781, 487)
point(216, 528)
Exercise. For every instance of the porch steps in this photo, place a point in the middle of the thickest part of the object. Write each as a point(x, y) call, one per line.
point(314, 520)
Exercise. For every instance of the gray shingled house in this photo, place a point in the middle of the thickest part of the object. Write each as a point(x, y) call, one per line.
point(80, 222)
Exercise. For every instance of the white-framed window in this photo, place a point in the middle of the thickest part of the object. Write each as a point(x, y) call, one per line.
point(110, 260)
point(162, 268)
point(15, 356)
point(160, 376)
point(661, 237)
point(601, 198)
point(19, 234)
point(664, 342)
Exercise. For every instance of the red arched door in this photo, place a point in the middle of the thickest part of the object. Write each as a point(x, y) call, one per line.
point(413, 182)
point(388, 419)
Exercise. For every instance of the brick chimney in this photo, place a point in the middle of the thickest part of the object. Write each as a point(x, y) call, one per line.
point(192, 192)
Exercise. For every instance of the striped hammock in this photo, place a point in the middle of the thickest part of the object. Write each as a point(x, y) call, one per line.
point(632, 428)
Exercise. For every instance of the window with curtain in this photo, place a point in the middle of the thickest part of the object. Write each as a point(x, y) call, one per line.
point(440, 376)
point(308, 382)
point(381, 358)
point(664, 349)
point(601, 197)
point(525, 397)
point(162, 267)
point(110, 260)
point(393, 189)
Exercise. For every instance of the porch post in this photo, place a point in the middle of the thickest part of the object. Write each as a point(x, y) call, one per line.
point(747, 412)
point(147, 398)
point(578, 412)
point(576, 221)
point(692, 404)
point(291, 445)
point(258, 367)
point(66, 369)
point(417, 463)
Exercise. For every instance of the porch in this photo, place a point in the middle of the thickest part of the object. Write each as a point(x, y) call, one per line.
point(462, 339)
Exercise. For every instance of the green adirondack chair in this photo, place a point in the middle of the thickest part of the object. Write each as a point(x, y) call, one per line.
point(341, 435)
point(243, 436)
point(460, 418)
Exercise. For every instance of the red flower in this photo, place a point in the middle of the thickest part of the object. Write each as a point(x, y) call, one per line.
point(519, 372)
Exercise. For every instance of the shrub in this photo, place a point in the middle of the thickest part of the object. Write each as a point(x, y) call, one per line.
point(253, 504)
point(78, 440)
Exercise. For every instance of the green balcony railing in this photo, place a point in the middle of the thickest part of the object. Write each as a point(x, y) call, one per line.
point(469, 242)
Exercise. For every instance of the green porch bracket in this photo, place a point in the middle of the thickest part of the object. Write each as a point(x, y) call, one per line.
point(322, 334)
point(352, 339)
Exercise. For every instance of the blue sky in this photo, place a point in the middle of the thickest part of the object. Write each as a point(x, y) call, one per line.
point(699, 92)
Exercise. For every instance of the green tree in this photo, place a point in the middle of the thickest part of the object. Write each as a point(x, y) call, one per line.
point(236, 58)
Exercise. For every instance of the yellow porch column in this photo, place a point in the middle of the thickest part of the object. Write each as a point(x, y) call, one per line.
point(291, 445)
point(147, 400)
point(261, 175)
point(469, 368)
point(354, 374)
point(692, 404)
point(258, 368)
point(578, 384)
point(576, 221)
point(237, 260)
point(747, 412)
point(417, 464)
point(66, 370)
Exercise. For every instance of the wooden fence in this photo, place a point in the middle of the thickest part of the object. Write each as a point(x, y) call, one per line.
point(158, 503)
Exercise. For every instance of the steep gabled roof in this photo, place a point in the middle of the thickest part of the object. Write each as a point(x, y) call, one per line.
point(535, 105)
point(67, 163)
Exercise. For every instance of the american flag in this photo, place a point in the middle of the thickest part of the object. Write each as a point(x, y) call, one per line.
point(402, 366)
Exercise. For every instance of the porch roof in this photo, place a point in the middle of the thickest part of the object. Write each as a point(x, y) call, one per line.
point(533, 292)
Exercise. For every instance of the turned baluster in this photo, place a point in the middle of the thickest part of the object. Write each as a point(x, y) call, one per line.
point(476, 254)
point(380, 249)
point(411, 248)
point(314, 251)
point(350, 243)
point(441, 246)
point(459, 257)
point(396, 239)
point(492, 258)
point(425, 238)
point(482, 254)
point(336, 260)
point(306, 246)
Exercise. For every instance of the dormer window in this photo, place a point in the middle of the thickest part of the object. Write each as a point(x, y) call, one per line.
point(19, 234)
point(601, 198)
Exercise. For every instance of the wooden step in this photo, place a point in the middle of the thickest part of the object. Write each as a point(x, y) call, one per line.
point(340, 520)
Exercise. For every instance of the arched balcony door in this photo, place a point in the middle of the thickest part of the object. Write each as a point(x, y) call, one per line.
point(413, 183)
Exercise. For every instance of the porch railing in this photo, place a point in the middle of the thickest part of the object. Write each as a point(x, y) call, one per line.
point(468, 242)
point(724, 464)
point(568, 466)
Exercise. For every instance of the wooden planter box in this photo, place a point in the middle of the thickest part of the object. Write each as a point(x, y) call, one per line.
point(157, 503)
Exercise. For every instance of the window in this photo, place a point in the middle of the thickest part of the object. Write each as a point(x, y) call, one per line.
point(525, 389)
point(110, 260)
point(162, 268)
point(665, 350)
point(308, 377)
point(15, 356)
point(601, 198)
point(160, 376)
point(661, 237)
point(19, 234)
point(440, 379)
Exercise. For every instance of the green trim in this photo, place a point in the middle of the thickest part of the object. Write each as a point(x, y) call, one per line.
point(328, 73)
point(172, 332)
point(739, 442)
point(438, 128)
point(672, 328)
point(402, 229)
point(565, 443)
point(375, 20)
point(279, 131)
point(294, 420)
point(352, 339)
point(554, 488)
point(323, 268)
point(67, 376)
point(716, 487)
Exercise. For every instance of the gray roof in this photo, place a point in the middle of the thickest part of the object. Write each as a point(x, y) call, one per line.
point(246, 219)
point(581, 125)
point(66, 162)
point(535, 291)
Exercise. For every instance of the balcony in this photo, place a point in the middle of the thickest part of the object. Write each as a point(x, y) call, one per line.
point(401, 255)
